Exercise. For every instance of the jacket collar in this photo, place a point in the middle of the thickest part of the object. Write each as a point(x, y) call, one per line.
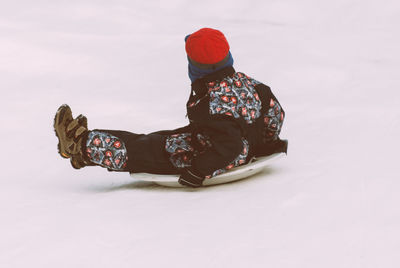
point(198, 86)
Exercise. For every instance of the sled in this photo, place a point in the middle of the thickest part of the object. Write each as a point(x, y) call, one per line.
point(253, 167)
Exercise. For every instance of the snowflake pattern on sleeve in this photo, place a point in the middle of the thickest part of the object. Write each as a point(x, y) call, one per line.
point(273, 120)
point(240, 160)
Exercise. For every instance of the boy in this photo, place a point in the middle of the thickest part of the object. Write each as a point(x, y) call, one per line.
point(233, 118)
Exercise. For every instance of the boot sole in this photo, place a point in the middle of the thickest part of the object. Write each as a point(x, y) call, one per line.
point(57, 119)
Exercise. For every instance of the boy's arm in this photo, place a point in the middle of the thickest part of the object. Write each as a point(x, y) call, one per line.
point(225, 137)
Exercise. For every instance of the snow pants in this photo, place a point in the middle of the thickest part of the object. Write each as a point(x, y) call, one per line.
point(125, 151)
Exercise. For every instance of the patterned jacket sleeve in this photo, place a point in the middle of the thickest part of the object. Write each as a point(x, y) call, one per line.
point(226, 142)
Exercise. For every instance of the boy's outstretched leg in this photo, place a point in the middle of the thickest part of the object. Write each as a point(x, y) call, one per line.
point(110, 148)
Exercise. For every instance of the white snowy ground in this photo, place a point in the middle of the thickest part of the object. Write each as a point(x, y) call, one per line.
point(333, 202)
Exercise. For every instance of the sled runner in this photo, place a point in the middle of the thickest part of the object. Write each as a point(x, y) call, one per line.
point(238, 173)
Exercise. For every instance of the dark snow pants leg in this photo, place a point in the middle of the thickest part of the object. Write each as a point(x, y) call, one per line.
point(145, 152)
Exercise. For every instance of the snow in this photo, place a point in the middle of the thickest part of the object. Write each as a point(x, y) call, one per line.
point(333, 202)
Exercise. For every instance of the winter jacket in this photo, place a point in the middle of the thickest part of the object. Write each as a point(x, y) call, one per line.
point(232, 119)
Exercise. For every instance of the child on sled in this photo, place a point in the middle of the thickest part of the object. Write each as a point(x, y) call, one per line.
point(232, 118)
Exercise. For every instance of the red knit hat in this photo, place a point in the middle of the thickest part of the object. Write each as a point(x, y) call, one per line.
point(207, 46)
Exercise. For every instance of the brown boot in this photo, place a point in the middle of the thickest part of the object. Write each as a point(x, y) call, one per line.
point(71, 134)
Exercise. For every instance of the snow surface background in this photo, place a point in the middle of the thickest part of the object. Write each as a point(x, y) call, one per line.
point(333, 202)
